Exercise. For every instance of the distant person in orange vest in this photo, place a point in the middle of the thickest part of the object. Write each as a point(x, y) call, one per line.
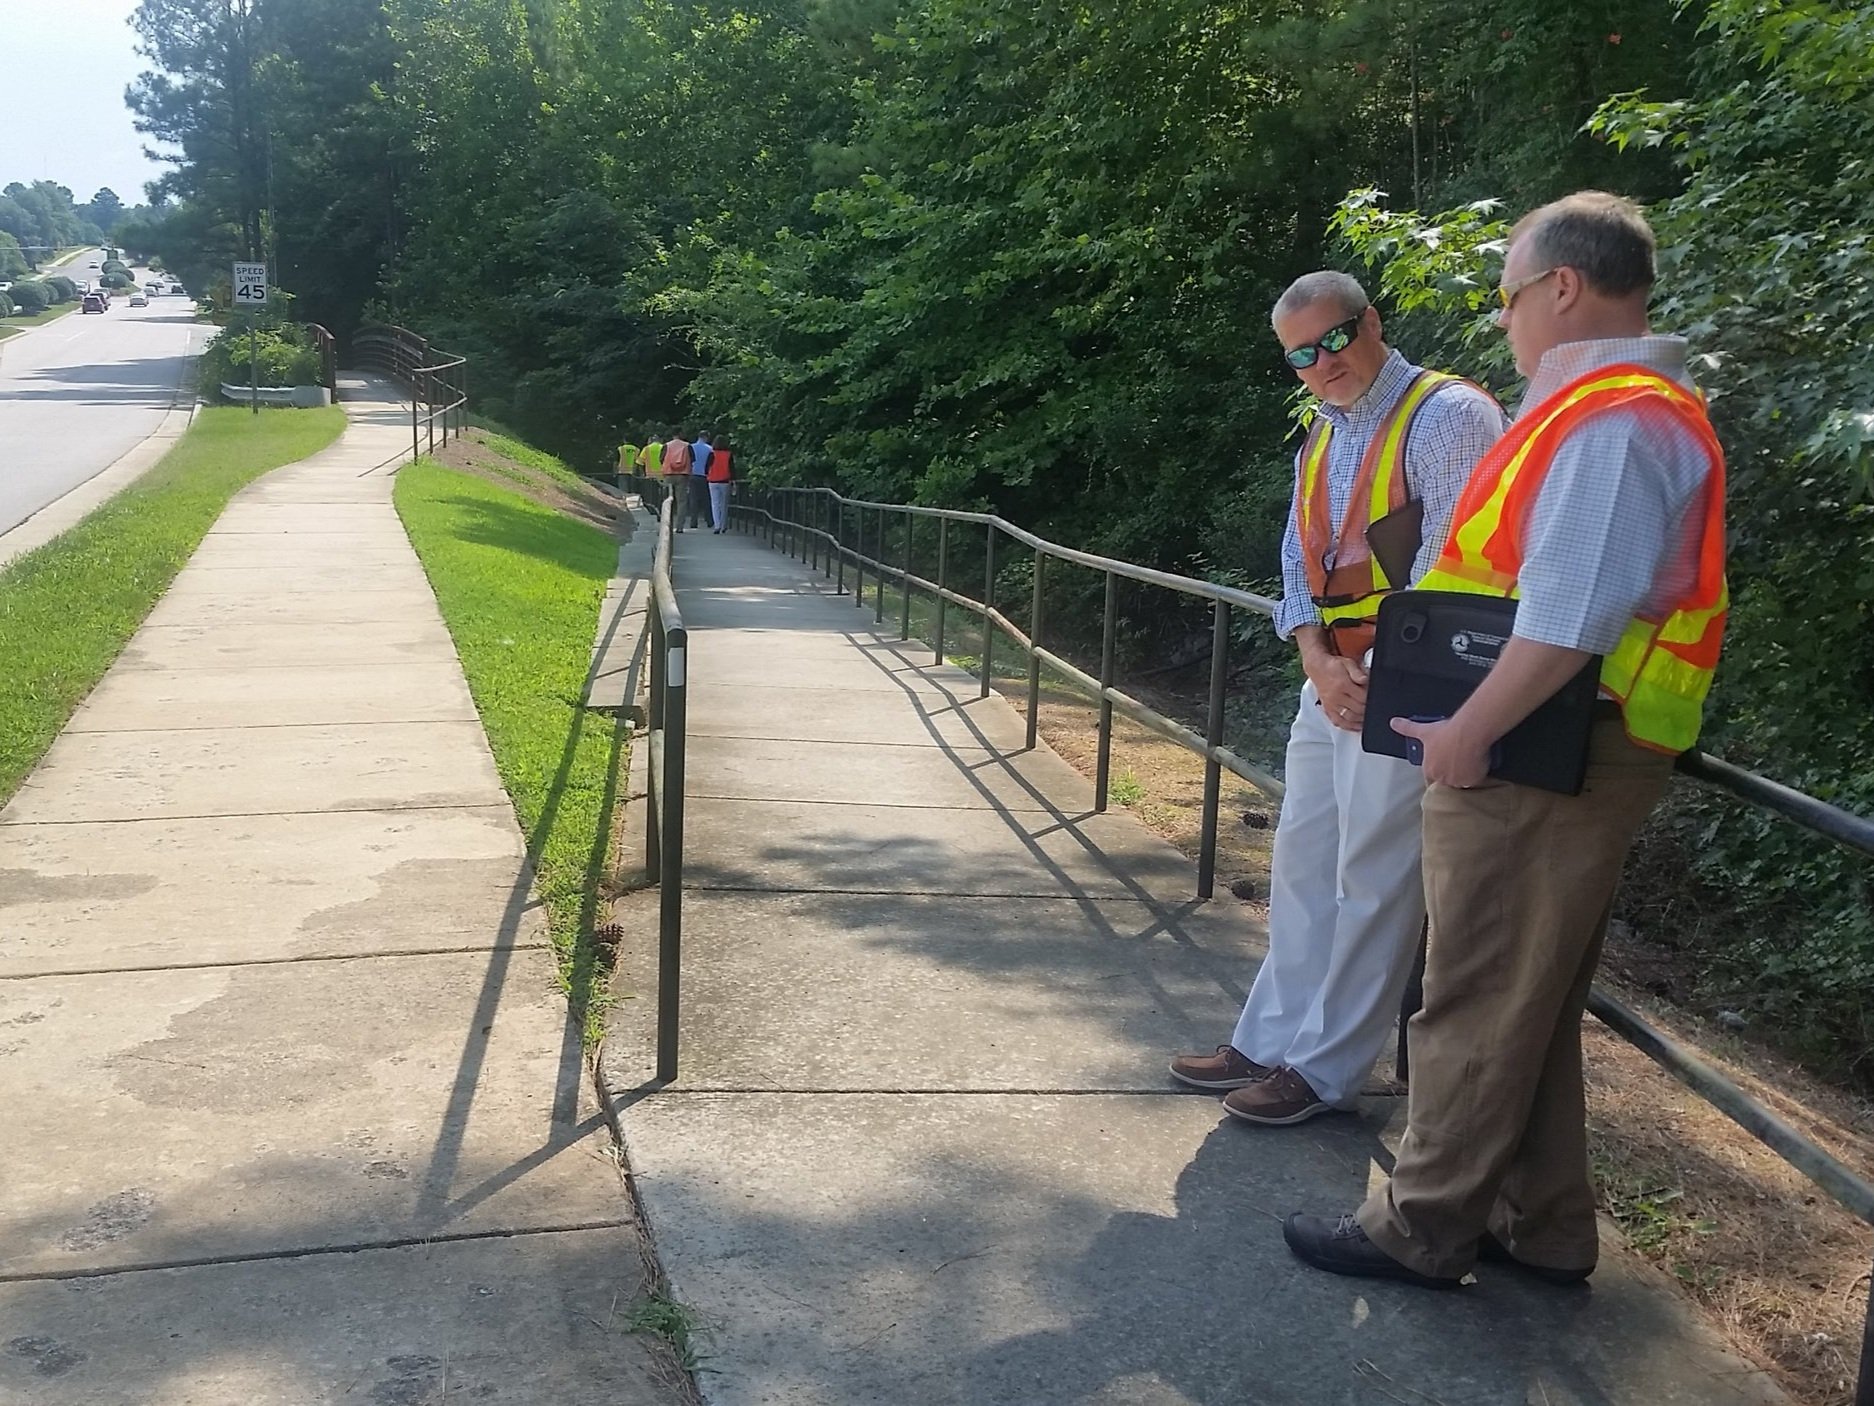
point(721, 475)
point(1602, 511)
point(1346, 905)
point(677, 459)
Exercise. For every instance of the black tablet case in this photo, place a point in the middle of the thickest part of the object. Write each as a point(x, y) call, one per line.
point(1433, 648)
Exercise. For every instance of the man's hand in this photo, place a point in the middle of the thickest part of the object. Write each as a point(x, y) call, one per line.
point(1453, 757)
point(1340, 683)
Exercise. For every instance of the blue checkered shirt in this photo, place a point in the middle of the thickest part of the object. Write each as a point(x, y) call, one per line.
point(1611, 534)
point(1449, 435)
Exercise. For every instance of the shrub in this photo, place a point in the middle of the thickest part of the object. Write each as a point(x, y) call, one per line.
point(6, 304)
point(286, 355)
point(30, 296)
point(116, 280)
point(115, 266)
point(63, 289)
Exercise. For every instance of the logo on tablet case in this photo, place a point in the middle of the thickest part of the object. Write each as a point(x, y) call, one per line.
point(1477, 648)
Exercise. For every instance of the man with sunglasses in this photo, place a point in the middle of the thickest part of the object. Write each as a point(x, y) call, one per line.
point(1388, 440)
point(1602, 511)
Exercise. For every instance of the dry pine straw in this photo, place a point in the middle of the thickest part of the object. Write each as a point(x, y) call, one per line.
point(1778, 1268)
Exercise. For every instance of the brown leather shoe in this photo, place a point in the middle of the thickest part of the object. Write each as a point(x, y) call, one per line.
point(1284, 1097)
point(1226, 1069)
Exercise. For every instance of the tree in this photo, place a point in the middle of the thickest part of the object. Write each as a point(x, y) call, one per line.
point(103, 210)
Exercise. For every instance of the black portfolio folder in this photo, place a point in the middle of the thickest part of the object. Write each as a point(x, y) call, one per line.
point(1433, 649)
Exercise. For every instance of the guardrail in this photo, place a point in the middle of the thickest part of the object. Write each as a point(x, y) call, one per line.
point(810, 525)
point(326, 345)
point(436, 380)
point(663, 829)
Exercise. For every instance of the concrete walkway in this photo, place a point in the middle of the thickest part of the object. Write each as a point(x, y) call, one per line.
point(293, 1109)
point(923, 1149)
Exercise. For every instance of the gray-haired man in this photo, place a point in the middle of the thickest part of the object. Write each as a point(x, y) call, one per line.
point(1345, 899)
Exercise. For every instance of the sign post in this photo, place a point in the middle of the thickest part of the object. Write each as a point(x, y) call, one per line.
point(250, 292)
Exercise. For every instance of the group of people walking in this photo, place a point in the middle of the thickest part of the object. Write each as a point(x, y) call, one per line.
point(697, 473)
point(1600, 508)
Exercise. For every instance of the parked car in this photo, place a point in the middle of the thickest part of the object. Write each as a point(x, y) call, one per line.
point(94, 302)
point(139, 300)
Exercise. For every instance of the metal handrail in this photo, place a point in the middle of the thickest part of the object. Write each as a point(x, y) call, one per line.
point(803, 538)
point(402, 355)
point(663, 830)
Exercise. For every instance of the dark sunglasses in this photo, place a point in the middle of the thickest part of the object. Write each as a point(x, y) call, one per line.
point(1337, 338)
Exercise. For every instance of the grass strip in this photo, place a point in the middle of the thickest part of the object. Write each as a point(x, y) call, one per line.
point(19, 322)
point(68, 608)
point(520, 587)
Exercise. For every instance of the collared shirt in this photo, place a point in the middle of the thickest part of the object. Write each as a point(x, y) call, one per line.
point(699, 456)
point(1448, 437)
point(1608, 536)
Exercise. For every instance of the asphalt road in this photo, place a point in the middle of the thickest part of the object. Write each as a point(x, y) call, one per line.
point(78, 393)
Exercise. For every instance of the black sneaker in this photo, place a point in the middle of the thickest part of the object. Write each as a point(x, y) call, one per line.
point(1338, 1245)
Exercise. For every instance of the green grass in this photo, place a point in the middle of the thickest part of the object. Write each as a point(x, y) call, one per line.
point(67, 608)
point(20, 322)
point(527, 456)
point(520, 587)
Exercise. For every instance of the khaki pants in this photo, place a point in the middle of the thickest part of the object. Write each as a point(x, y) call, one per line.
point(1518, 884)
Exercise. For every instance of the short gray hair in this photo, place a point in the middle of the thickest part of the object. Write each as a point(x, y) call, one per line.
point(1602, 237)
point(1326, 285)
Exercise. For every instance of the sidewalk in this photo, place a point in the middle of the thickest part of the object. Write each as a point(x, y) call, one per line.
point(294, 1112)
point(923, 1149)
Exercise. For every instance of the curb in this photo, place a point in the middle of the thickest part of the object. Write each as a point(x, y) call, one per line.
point(76, 504)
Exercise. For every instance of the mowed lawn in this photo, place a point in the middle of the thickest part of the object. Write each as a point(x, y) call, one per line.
point(520, 586)
point(68, 608)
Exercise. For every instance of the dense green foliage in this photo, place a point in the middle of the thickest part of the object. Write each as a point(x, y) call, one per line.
point(29, 295)
point(285, 356)
point(40, 218)
point(980, 253)
point(1767, 265)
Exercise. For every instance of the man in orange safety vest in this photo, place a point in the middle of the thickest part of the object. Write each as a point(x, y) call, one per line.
point(1601, 511)
point(1346, 904)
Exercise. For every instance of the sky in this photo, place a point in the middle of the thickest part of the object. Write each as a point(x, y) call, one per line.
point(62, 113)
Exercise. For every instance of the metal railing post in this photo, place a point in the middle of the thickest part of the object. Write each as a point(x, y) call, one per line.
point(943, 584)
point(1034, 659)
point(416, 444)
point(670, 890)
point(839, 539)
point(1109, 634)
point(878, 572)
point(653, 853)
point(989, 602)
point(858, 560)
point(904, 618)
point(1864, 1381)
point(1213, 737)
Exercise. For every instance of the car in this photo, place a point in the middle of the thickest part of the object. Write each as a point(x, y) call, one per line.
point(153, 288)
point(94, 302)
point(93, 264)
point(139, 300)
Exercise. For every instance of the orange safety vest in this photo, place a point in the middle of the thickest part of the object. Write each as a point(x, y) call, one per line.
point(1661, 670)
point(718, 470)
point(1348, 596)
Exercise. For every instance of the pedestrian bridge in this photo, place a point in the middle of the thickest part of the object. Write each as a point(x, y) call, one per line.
point(921, 1146)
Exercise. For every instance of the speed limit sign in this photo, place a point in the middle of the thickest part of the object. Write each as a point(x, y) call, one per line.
point(250, 285)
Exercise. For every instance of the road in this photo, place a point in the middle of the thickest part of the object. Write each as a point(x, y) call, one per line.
point(78, 393)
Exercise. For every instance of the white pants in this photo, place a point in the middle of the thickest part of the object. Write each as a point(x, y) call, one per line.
point(1346, 905)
